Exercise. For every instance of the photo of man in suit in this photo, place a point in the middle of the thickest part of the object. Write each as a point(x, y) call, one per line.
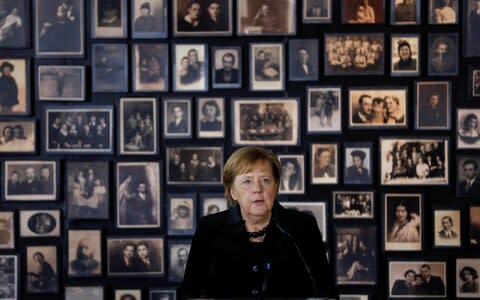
point(316, 8)
point(227, 74)
point(139, 207)
point(364, 113)
point(302, 67)
point(434, 284)
point(471, 185)
point(434, 113)
point(178, 124)
point(447, 232)
point(357, 173)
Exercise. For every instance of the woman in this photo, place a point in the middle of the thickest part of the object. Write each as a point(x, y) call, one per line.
point(378, 111)
point(291, 178)
point(210, 120)
point(469, 134)
point(444, 13)
point(394, 114)
point(213, 20)
point(406, 62)
point(8, 88)
point(145, 262)
point(257, 248)
point(406, 226)
point(469, 276)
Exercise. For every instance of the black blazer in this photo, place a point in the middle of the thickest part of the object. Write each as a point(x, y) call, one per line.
point(221, 263)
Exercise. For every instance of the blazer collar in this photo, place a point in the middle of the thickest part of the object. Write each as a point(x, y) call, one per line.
point(235, 216)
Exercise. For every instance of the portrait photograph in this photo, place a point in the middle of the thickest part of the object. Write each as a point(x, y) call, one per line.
point(202, 18)
point(109, 68)
point(30, 180)
point(84, 292)
point(138, 126)
point(42, 269)
point(7, 230)
point(128, 294)
point(211, 204)
point(150, 67)
point(292, 177)
point(467, 277)
point(315, 209)
point(353, 205)
point(109, 19)
point(317, 11)
point(15, 86)
point(415, 161)
point(177, 118)
point(353, 297)
point(474, 226)
point(405, 60)
point(18, 136)
point(211, 117)
point(149, 19)
point(178, 255)
point(302, 60)
point(441, 12)
point(87, 189)
point(447, 228)
point(267, 69)
point(324, 107)
point(163, 294)
point(471, 28)
point(266, 17)
point(194, 165)
point(341, 58)
point(403, 222)
point(417, 279)
point(468, 181)
point(226, 70)
point(405, 12)
point(358, 163)
point(61, 83)
point(40, 223)
point(473, 82)
point(15, 20)
point(84, 253)
point(190, 67)
point(363, 12)
point(356, 255)
point(324, 163)
point(378, 108)
point(266, 121)
point(182, 212)
point(138, 194)
point(468, 135)
point(136, 256)
point(78, 129)
point(9, 269)
point(443, 54)
point(432, 105)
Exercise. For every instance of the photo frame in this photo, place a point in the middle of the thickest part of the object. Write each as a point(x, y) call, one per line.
point(432, 105)
point(303, 64)
point(466, 267)
point(362, 13)
point(10, 268)
point(292, 178)
point(40, 223)
point(61, 83)
point(177, 116)
point(7, 229)
point(211, 117)
point(440, 13)
point(267, 67)
point(443, 54)
point(358, 165)
point(324, 163)
point(354, 297)
point(471, 44)
point(190, 67)
point(84, 253)
point(163, 294)
point(182, 212)
point(405, 12)
point(317, 11)
point(447, 225)
point(324, 107)
point(178, 255)
point(353, 205)
point(468, 184)
point(315, 209)
point(405, 54)
point(150, 67)
point(14, 77)
point(468, 136)
point(213, 19)
point(226, 70)
point(109, 68)
point(18, 136)
point(109, 19)
point(473, 86)
point(474, 237)
point(41, 258)
point(149, 19)
point(211, 203)
point(121, 294)
point(17, 35)
point(84, 292)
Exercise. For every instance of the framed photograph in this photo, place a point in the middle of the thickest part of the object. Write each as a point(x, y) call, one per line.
point(378, 108)
point(266, 121)
point(15, 20)
point(7, 230)
point(447, 228)
point(15, 87)
point(315, 209)
point(9, 269)
point(368, 61)
point(202, 18)
point(267, 70)
point(403, 222)
point(109, 68)
point(80, 129)
point(317, 11)
point(150, 67)
point(87, 189)
point(194, 165)
point(40, 223)
point(163, 294)
point(178, 255)
point(142, 256)
point(149, 19)
point(356, 255)
point(468, 136)
point(211, 204)
point(417, 279)
point(138, 126)
point(227, 71)
point(324, 106)
point(405, 60)
point(182, 214)
point(211, 117)
point(324, 163)
point(414, 161)
point(30, 180)
point(471, 29)
point(18, 136)
point(84, 292)
point(266, 17)
point(443, 54)
point(432, 105)
point(190, 67)
point(302, 61)
point(405, 12)
point(443, 12)
point(109, 19)
point(474, 225)
point(353, 205)
point(292, 179)
point(361, 12)
point(177, 117)
point(128, 294)
point(467, 277)
point(468, 183)
point(358, 163)
point(42, 269)
point(84, 253)
point(138, 194)
point(354, 297)
point(473, 83)
point(61, 83)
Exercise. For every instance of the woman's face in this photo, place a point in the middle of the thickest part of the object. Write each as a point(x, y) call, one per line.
point(214, 10)
point(210, 111)
point(468, 276)
point(378, 107)
point(472, 123)
point(324, 158)
point(404, 52)
point(288, 169)
point(142, 251)
point(391, 105)
point(401, 213)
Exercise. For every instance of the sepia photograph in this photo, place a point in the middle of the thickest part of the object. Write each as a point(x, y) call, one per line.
point(150, 67)
point(226, 70)
point(315, 209)
point(138, 126)
point(432, 105)
point(15, 86)
point(266, 17)
point(182, 212)
point(84, 292)
point(211, 117)
point(42, 269)
point(40, 223)
point(441, 12)
point(163, 294)
point(324, 106)
point(7, 230)
point(363, 12)
point(468, 135)
point(178, 255)
point(303, 59)
point(353, 205)
point(292, 178)
point(211, 204)
point(405, 12)
point(467, 277)
point(473, 84)
point(353, 297)
point(447, 228)
point(18, 136)
point(468, 181)
point(149, 19)
point(128, 294)
point(61, 83)
point(190, 64)
point(324, 163)
point(9, 269)
point(405, 60)
point(471, 28)
point(202, 18)
point(109, 19)
point(417, 279)
point(317, 11)
point(15, 24)
point(474, 226)
point(84, 253)
point(177, 118)
point(109, 68)
point(443, 54)
point(358, 163)
point(267, 69)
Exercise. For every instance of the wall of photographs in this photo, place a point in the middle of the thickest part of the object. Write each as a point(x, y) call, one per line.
point(117, 116)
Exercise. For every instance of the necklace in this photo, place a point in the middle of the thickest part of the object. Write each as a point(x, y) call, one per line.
point(257, 234)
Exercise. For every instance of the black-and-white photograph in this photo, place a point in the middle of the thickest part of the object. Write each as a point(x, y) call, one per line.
point(136, 256)
point(84, 253)
point(9, 270)
point(324, 110)
point(194, 165)
point(40, 223)
point(292, 178)
point(84, 292)
point(324, 163)
point(109, 19)
point(467, 277)
point(432, 105)
point(182, 212)
point(354, 54)
point(190, 67)
point(211, 117)
point(353, 297)
point(59, 28)
point(317, 11)
point(177, 118)
point(405, 12)
point(471, 28)
point(405, 60)
point(211, 204)
point(267, 69)
point(474, 225)
point(138, 126)
point(79, 129)
point(15, 87)
point(443, 54)
point(27, 180)
point(416, 161)
point(15, 24)
point(315, 209)
point(266, 121)
point(150, 67)
point(303, 59)
point(227, 71)
point(149, 19)
point(163, 294)
point(202, 18)
point(356, 255)
point(441, 12)
point(417, 279)
point(363, 12)
point(403, 222)
point(7, 230)
point(468, 135)
point(121, 294)
point(61, 83)
point(353, 205)
point(178, 255)
point(109, 68)
point(138, 194)
point(266, 17)
point(468, 181)
point(447, 228)
point(18, 136)
point(358, 163)
point(474, 81)
point(42, 269)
